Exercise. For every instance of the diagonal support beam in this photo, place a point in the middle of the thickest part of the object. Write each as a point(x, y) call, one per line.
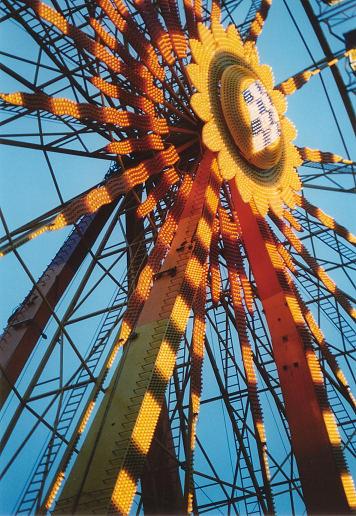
point(313, 443)
point(26, 325)
point(106, 472)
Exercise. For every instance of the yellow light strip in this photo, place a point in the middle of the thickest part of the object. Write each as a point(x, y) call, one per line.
point(327, 220)
point(197, 355)
point(56, 486)
point(315, 267)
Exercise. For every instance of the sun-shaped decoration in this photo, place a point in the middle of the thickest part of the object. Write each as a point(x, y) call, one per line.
point(146, 108)
point(244, 118)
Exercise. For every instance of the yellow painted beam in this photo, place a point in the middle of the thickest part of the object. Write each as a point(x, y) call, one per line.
point(106, 472)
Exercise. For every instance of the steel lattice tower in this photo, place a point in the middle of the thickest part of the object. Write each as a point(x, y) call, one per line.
point(200, 245)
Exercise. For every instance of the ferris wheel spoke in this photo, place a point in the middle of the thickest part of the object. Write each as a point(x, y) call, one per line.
point(74, 131)
point(20, 234)
point(326, 220)
point(177, 119)
point(106, 115)
point(102, 195)
point(81, 39)
point(331, 360)
point(316, 278)
point(170, 13)
point(189, 16)
point(215, 14)
point(214, 268)
point(319, 293)
point(159, 36)
point(317, 156)
point(257, 24)
point(297, 81)
point(77, 87)
point(157, 193)
point(317, 270)
point(328, 308)
point(128, 28)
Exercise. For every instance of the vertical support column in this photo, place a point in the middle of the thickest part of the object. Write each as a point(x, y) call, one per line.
point(321, 480)
point(160, 482)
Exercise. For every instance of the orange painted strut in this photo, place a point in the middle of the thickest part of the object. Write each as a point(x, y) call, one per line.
point(317, 454)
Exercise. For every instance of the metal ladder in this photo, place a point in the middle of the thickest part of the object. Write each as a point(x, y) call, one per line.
point(238, 400)
point(327, 236)
point(346, 424)
point(70, 409)
point(347, 332)
point(263, 348)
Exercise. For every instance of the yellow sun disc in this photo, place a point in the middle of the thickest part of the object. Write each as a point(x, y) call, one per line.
point(244, 120)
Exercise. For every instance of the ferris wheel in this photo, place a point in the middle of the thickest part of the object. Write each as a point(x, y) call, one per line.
point(189, 348)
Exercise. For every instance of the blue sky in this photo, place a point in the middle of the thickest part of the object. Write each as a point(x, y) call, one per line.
point(27, 189)
point(26, 186)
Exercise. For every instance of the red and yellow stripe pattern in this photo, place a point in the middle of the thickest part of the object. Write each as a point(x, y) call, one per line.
point(327, 220)
point(297, 81)
point(235, 273)
point(319, 272)
point(318, 156)
point(259, 21)
point(143, 430)
point(144, 103)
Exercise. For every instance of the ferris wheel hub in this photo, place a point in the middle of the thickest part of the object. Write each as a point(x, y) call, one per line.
point(244, 117)
point(251, 117)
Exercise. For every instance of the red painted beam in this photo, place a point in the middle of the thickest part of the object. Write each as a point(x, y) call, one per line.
point(320, 477)
point(26, 325)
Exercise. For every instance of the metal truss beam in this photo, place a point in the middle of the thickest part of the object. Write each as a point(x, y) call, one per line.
point(106, 471)
point(161, 491)
point(26, 325)
point(321, 481)
point(329, 55)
